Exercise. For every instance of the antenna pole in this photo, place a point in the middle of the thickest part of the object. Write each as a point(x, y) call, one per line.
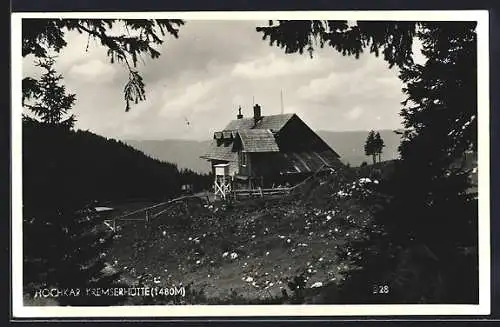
point(281, 95)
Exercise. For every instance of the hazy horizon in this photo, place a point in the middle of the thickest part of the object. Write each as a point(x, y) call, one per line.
point(209, 137)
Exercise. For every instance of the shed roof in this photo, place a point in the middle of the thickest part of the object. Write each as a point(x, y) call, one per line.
point(258, 140)
point(305, 162)
point(220, 152)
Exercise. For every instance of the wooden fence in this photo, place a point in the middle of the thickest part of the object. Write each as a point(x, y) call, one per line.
point(281, 191)
point(259, 192)
point(148, 213)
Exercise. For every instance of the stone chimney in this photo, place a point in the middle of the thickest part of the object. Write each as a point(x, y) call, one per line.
point(239, 116)
point(256, 113)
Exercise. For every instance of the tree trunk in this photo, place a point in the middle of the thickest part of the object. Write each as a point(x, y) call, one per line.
point(374, 157)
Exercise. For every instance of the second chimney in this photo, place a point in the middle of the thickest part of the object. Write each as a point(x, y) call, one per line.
point(256, 113)
point(239, 116)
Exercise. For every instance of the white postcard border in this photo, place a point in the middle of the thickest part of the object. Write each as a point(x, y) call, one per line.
point(483, 308)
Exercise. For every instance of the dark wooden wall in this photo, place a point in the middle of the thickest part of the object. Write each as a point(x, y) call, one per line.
point(296, 136)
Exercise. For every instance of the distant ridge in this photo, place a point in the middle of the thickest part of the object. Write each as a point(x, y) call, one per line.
point(186, 153)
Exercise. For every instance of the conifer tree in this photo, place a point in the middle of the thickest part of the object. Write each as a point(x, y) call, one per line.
point(423, 244)
point(430, 223)
point(51, 102)
point(370, 146)
point(85, 241)
point(61, 248)
point(379, 145)
point(67, 250)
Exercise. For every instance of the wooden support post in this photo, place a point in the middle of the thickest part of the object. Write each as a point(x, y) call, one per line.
point(108, 224)
point(224, 187)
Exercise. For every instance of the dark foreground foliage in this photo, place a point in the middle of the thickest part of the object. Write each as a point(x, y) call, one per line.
point(425, 250)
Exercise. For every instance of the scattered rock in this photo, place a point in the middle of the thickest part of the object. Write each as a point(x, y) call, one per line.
point(317, 284)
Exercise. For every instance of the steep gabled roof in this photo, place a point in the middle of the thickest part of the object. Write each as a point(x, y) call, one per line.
point(260, 137)
point(258, 140)
point(273, 123)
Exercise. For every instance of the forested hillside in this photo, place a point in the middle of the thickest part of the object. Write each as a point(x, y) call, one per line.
point(62, 165)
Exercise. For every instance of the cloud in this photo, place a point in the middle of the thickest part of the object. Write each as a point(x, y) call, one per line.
point(203, 43)
point(369, 81)
point(95, 71)
point(190, 98)
point(319, 87)
point(215, 67)
point(273, 65)
point(354, 113)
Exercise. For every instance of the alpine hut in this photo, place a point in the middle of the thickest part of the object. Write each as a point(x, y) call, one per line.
point(266, 151)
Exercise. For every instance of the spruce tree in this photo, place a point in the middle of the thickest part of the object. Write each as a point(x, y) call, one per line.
point(62, 247)
point(85, 241)
point(379, 145)
point(370, 146)
point(423, 243)
point(67, 250)
point(427, 249)
point(51, 103)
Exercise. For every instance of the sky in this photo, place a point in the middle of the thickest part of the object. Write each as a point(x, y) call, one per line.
point(213, 68)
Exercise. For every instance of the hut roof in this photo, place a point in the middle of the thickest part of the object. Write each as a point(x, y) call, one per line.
point(250, 136)
point(258, 140)
point(272, 122)
point(223, 152)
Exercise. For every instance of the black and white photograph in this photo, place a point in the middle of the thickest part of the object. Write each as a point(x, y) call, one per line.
point(266, 163)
